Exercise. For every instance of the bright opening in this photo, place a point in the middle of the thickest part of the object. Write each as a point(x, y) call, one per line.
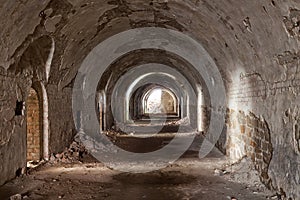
point(154, 102)
point(160, 101)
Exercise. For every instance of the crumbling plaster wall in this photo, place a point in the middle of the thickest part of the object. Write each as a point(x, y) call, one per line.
point(25, 57)
point(270, 137)
point(12, 127)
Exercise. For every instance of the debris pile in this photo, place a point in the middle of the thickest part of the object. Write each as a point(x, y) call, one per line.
point(73, 154)
point(16, 197)
point(243, 172)
point(184, 121)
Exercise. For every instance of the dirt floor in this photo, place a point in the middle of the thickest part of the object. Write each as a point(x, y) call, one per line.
point(187, 179)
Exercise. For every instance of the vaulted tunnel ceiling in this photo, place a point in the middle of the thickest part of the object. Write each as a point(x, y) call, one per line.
point(224, 28)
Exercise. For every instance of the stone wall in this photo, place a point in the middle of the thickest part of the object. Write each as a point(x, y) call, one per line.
point(13, 89)
point(263, 124)
point(273, 147)
point(62, 126)
point(12, 126)
point(205, 114)
point(169, 103)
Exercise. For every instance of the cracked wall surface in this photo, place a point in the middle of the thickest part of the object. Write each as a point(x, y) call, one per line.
point(274, 100)
point(12, 127)
point(250, 136)
point(255, 45)
point(292, 23)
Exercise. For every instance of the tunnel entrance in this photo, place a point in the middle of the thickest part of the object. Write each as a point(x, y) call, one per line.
point(34, 125)
point(154, 102)
point(160, 101)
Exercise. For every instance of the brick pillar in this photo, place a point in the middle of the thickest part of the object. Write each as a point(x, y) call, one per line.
point(33, 127)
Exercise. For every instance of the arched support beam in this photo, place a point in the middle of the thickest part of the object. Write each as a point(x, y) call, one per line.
point(43, 100)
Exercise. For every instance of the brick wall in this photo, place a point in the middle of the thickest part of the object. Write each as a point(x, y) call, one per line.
point(33, 127)
point(250, 136)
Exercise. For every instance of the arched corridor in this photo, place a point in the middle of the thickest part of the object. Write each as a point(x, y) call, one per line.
point(159, 99)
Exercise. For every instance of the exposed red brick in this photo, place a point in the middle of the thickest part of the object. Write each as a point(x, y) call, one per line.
point(33, 126)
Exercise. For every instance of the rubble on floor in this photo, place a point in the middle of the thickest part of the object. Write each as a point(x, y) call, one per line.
point(16, 197)
point(184, 121)
point(35, 164)
point(244, 172)
point(187, 179)
point(73, 154)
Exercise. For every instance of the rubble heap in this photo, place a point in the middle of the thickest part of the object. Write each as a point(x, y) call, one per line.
point(73, 154)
